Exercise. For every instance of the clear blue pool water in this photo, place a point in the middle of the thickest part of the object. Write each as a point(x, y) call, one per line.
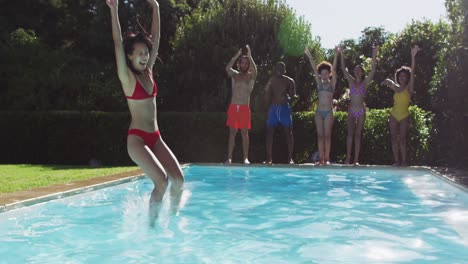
point(251, 215)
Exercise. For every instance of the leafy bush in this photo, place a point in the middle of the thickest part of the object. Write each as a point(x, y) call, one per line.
point(212, 34)
point(77, 137)
point(449, 93)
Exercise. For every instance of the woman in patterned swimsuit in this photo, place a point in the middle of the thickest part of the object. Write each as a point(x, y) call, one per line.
point(357, 110)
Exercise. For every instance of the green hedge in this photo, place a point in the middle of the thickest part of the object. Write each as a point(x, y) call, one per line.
point(77, 137)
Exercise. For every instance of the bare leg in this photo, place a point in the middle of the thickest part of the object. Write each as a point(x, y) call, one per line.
point(245, 145)
point(319, 123)
point(172, 167)
point(328, 125)
point(290, 140)
point(231, 142)
point(147, 161)
point(404, 125)
point(269, 143)
point(394, 133)
point(357, 137)
point(349, 138)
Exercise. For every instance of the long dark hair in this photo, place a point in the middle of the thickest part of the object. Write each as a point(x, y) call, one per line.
point(129, 45)
point(363, 71)
point(131, 39)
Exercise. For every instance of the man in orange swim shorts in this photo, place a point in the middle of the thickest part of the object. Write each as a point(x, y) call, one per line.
point(238, 115)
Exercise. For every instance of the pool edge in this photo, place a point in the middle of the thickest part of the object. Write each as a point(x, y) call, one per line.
point(67, 193)
point(448, 180)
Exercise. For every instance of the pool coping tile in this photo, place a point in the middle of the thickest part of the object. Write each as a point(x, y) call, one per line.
point(9, 201)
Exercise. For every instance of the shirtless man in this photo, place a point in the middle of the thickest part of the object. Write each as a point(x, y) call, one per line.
point(280, 90)
point(238, 115)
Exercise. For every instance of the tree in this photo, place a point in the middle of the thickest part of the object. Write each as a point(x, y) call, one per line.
point(359, 52)
point(36, 77)
point(213, 33)
point(69, 50)
point(395, 52)
point(450, 93)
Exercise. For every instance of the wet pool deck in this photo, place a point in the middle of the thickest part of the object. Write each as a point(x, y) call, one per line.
point(14, 200)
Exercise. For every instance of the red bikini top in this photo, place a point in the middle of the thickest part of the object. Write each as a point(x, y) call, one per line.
point(140, 93)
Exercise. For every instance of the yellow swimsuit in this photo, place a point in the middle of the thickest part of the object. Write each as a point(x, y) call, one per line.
point(401, 102)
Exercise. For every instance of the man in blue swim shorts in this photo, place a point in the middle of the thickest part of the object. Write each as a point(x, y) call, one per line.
point(279, 91)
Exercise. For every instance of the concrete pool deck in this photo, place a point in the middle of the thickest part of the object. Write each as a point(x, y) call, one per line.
point(8, 201)
point(13, 200)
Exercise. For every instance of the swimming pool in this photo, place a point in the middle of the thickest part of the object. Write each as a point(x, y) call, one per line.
point(252, 215)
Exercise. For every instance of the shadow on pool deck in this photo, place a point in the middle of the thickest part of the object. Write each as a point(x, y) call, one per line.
point(10, 201)
point(455, 175)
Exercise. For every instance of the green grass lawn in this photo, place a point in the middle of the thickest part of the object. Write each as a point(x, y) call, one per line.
point(24, 177)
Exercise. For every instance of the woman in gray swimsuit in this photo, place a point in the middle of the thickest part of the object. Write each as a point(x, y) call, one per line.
point(325, 76)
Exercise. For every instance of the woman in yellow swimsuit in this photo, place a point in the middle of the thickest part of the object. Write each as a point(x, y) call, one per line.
point(399, 115)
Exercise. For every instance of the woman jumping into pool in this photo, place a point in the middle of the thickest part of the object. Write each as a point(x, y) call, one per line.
point(399, 115)
point(357, 110)
point(135, 57)
point(325, 76)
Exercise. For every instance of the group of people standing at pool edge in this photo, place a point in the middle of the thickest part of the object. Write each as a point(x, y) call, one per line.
point(137, 53)
point(281, 89)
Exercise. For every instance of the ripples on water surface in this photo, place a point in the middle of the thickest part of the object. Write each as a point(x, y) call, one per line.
point(251, 215)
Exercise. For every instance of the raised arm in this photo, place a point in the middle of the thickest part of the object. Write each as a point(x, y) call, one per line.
point(122, 69)
point(335, 62)
point(348, 76)
point(391, 84)
point(292, 89)
point(252, 67)
point(230, 71)
point(370, 77)
point(155, 33)
point(414, 51)
point(314, 66)
point(268, 93)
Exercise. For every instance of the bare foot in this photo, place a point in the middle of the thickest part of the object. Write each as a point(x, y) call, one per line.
point(396, 164)
point(404, 164)
point(246, 161)
point(176, 195)
point(153, 213)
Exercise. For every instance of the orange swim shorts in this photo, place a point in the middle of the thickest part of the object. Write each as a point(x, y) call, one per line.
point(238, 116)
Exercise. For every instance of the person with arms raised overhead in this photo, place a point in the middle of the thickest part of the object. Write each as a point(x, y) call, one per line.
point(238, 114)
point(357, 108)
point(325, 77)
point(135, 56)
point(399, 118)
point(279, 92)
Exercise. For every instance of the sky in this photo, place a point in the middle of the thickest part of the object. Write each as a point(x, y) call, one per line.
point(336, 20)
